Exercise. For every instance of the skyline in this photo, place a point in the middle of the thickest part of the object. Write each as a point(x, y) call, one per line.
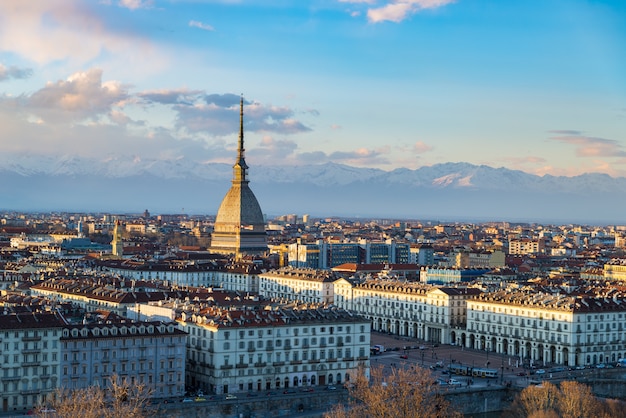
point(526, 85)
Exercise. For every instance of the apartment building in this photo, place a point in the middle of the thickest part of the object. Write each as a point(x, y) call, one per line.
point(151, 354)
point(524, 246)
point(236, 350)
point(298, 284)
point(546, 328)
point(29, 358)
point(190, 273)
point(416, 310)
point(450, 275)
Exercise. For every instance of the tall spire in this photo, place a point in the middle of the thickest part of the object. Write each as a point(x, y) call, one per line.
point(240, 168)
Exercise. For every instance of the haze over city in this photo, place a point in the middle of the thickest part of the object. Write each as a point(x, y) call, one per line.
point(535, 86)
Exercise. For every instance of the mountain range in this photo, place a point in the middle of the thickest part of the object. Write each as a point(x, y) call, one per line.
point(443, 192)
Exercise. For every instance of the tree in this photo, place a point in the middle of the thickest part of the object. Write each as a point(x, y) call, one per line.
point(401, 394)
point(119, 399)
point(569, 399)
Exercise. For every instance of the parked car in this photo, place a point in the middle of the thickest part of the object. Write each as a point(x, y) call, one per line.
point(231, 396)
point(331, 387)
point(540, 371)
point(200, 399)
point(404, 356)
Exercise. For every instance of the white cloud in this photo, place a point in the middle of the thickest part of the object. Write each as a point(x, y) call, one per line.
point(398, 10)
point(136, 4)
point(82, 96)
point(45, 31)
point(200, 25)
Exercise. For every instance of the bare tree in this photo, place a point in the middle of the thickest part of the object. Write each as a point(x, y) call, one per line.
point(119, 399)
point(569, 399)
point(401, 394)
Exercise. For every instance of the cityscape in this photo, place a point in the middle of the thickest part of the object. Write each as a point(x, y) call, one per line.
point(324, 209)
point(210, 309)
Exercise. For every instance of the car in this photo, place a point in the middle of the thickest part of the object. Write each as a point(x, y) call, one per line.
point(422, 347)
point(445, 372)
point(600, 366)
point(271, 393)
point(199, 399)
point(404, 356)
point(540, 371)
point(521, 373)
point(286, 391)
point(187, 400)
point(580, 367)
point(331, 387)
point(307, 389)
point(231, 396)
point(454, 382)
point(252, 394)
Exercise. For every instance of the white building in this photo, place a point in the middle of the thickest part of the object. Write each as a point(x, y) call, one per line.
point(409, 309)
point(273, 348)
point(298, 284)
point(541, 328)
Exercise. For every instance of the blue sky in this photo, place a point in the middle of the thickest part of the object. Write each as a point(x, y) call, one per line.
point(535, 85)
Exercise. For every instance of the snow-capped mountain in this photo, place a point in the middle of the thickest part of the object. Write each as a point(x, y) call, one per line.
point(443, 191)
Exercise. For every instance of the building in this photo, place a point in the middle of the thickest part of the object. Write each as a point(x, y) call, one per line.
point(30, 358)
point(150, 354)
point(443, 275)
point(117, 246)
point(422, 253)
point(303, 285)
point(326, 255)
point(414, 310)
point(239, 225)
point(526, 246)
point(546, 328)
point(240, 350)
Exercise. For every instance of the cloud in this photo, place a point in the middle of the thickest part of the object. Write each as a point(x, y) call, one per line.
point(398, 10)
point(421, 148)
point(589, 146)
point(135, 4)
point(47, 31)
point(82, 96)
point(200, 25)
point(170, 96)
point(14, 72)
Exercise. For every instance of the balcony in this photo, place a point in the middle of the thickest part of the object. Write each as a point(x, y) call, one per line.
point(226, 366)
point(269, 348)
point(241, 365)
point(260, 364)
point(31, 351)
point(278, 363)
point(31, 338)
point(10, 378)
point(31, 363)
point(295, 362)
point(251, 349)
point(30, 392)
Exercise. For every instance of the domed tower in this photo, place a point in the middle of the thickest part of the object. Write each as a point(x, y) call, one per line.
point(239, 225)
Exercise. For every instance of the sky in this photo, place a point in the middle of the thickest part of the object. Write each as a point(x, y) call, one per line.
point(534, 85)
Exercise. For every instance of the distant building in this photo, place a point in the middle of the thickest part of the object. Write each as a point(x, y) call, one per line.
point(326, 255)
point(526, 246)
point(117, 247)
point(445, 275)
point(239, 225)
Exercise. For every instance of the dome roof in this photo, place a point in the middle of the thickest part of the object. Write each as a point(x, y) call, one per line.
point(239, 208)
